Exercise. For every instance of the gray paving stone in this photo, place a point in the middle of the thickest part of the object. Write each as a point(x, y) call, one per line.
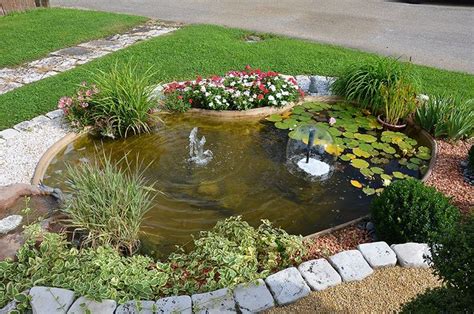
point(84, 305)
point(253, 297)
point(8, 134)
point(24, 126)
point(287, 286)
point(6, 86)
point(104, 44)
point(55, 114)
point(50, 300)
point(176, 304)
point(137, 307)
point(378, 254)
point(8, 308)
point(80, 53)
point(219, 301)
point(319, 274)
point(39, 120)
point(412, 254)
point(351, 265)
point(303, 82)
point(54, 63)
point(10, 223)
point(27, 75)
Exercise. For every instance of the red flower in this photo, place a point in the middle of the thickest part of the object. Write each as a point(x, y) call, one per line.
point(180, 97)
point(248, 67)
point(260, 96)
point(190, 101)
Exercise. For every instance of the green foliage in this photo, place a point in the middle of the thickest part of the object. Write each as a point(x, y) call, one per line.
point(399, 100)
point(231, 253)
point(108, 203)
point(470, 158)
point(410, 211)
point(438, 300)
point(453, 258)
point(174, 102)
point(206, 51)
point(449, 117)
point(364, 82)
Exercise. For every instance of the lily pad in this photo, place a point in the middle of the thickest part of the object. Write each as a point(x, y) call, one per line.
point(367, 172)
point(368, 191)
point(281, 125)
point(356, 184)
point(415, 160)
point(377, 170)
point(359, 163)
point(274, 118)
point(348, 134)
point(398, 175)
point(360, 152)
point(412, 166)
point(365, 138)
point(389, 150)
point(332, 149)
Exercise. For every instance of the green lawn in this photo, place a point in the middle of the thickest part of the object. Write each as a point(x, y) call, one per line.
point(33, 34)
point(204, 49)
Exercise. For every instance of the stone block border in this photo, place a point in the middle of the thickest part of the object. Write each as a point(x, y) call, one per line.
point(284, 287)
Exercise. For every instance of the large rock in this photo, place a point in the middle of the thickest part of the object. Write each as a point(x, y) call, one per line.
point(50, 300)
point(319, 274)
point(137, 307)
point(253, 297)
point(287, 286)
point(176, 304)
point(219, 301)
point(8, 134)
point(412, 254)
point(10, 223)
point(84, 305)
point(378, 254)
point(9, 307)
point(351, 265)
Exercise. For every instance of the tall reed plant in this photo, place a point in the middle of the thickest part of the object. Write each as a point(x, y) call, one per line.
point(399, 100)
point(108, 203)
point(362, 83)
point(445, 116)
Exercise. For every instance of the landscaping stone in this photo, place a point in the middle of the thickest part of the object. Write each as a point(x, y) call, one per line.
point(103, 44)
point(303, 82)
point(219, 301)
point(137, 307)
point(351, 265)
point(55, 114)
point(253, 297)
point(287, 286)
point(8, 134)
point(84, 305)
point(8, 308)
point(24, 126)
point(39, 120)
point(412, 254)
point(323, 84)
point(80, 53)
point(10, 223)
point(6, 86)
point(50, 300)
point(27, 75)
point(176, 304)
point(54, 63)
point(378, 254)
point(319, 274)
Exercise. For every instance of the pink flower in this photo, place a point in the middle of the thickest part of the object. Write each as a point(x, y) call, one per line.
point(332, 121)
point(84, 105)
point(64, 102)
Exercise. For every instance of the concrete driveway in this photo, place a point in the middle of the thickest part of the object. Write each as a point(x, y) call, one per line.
point(435, 35)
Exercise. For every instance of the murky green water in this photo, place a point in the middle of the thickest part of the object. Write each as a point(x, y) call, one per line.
point(247, 177)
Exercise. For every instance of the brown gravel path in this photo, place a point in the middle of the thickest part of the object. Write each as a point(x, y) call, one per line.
point(447, 176)
point(384, 291)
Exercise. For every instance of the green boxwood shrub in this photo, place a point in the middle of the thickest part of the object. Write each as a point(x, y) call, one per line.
point(407, 210)
point(438, 300)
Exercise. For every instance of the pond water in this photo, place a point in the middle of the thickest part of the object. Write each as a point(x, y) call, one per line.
point(247, 176)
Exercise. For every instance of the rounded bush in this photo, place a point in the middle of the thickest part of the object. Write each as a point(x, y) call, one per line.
point(410, 211)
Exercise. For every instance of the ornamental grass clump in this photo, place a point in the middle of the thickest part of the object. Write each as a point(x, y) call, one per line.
point(444, 116)
point(399, 100)
point(237, 90)
point(108, 203)
point(364, 83)
point(409, 211)
point(117, 104)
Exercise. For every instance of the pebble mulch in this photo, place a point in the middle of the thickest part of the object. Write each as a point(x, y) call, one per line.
point(447, 176)
point(385, 291)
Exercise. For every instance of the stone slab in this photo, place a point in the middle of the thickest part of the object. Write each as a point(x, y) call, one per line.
point(50, 300)
point(6, 86)
point(319, 274)
point(10, 306)
point(54, 63)
point(176, 304)
point(84, 305)
point(8, 134)
point(378, 254)
point(80, 53)
point(219, 301)
point(351, 265)
point(412, 254)
point(10, 223)
point(104, 44)
point(58, 113)
point(253, 297)
point(287, 286)
point(137, 307)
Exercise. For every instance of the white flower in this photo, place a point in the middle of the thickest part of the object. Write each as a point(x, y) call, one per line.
point(271, 98)
point(203, 89)
point(284, 102)
point(278, 95)
point(247, 93)
point(207, 94)
point(285, 93)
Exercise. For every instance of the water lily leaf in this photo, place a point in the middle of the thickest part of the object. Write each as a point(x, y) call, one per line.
point(378, 145)
point(353, 144)
point(379, 191)
point(332, 149)
point(412, 166)
point(298, 109)
point(345, 157)
point(367, 172)
point(359, 163)
point(385, 176)
point(403, 161)
point(386, 139)
point(274, 118)
point(356, 184)
point(334, 131)
point(281, 125)
point(360, 152)
point(348, 134)
point(389, 150)
point(296, 136)
point(415, 160)
point(368, 191)
point(377, 170)
point(398, 175)
point(423, 155)
point(365, 137)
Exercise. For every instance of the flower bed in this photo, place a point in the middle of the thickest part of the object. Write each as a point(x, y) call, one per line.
point(237, 90)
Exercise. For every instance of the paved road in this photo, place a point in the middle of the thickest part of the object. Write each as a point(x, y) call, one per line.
point(436, 35)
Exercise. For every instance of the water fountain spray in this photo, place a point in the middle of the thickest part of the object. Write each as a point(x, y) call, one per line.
point(197, 154)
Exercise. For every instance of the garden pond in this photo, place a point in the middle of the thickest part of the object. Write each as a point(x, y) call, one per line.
point(248, 173)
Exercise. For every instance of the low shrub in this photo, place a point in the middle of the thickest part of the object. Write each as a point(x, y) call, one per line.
point(363, 83)
point(232, 252)
point(407, 210)
point(108, 203)
point(449, 117)
point(237, 90)
point(438, 300)
point(117, 104)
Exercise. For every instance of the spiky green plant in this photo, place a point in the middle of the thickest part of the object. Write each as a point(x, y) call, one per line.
point(108, 203)
point(399, 100)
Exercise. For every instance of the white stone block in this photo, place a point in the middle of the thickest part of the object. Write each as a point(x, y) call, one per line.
point(84, 305)
point(378, 254)
point(412, 254)
point(319, 274)
point(253, 297)
point(50, 300)
point(176, 304)
point(287, 286)
point(351, 265)
point(219, 301)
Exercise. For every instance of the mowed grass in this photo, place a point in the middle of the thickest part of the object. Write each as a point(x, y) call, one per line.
point(33, 34)
point(206, 50)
